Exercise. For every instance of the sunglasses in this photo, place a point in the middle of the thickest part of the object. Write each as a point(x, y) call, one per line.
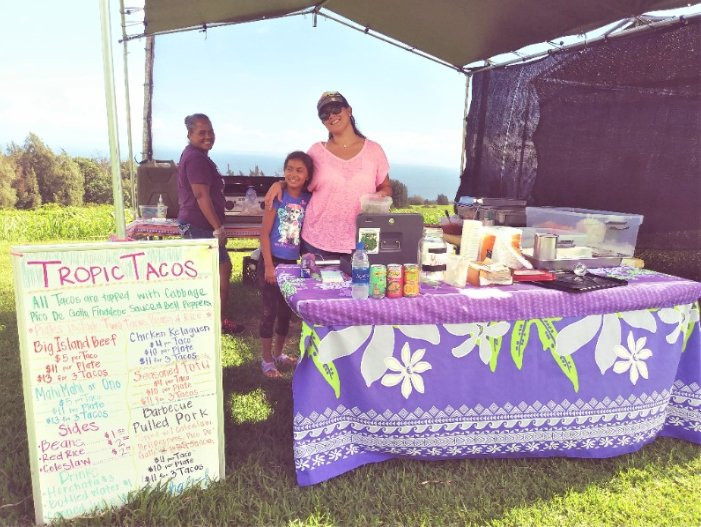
point(329, 110)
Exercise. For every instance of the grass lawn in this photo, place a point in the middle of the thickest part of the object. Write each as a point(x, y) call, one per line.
point(659, 485)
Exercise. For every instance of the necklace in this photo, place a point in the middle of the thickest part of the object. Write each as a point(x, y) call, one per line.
point(345, 146)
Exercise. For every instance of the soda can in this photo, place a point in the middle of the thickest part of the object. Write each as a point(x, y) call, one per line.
point(411, 280)
point(395, 280)
point(378, 280)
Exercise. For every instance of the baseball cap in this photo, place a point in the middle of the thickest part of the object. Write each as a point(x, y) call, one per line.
point(329, 97)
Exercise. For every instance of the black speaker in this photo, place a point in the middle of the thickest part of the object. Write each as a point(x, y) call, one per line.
point(158, 178)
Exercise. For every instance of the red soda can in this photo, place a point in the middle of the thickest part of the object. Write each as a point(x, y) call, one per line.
point(411, 280)
point(395, 280)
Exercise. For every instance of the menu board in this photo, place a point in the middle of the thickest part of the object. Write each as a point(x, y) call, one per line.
point(120, 351)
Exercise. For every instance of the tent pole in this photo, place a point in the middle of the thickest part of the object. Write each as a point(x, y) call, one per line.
point(608, 36)
point(463, 157)
point(112, 118)
point(130, 152)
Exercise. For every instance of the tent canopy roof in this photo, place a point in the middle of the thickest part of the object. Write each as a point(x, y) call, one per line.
point(457, 32)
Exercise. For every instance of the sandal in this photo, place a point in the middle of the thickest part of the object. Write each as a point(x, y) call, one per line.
point(285, 361)
point(269, 370)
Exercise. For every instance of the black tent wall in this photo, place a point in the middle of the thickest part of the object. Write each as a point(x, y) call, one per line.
point(615, 125)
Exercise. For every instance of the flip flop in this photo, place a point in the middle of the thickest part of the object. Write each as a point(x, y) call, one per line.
point(269, 370)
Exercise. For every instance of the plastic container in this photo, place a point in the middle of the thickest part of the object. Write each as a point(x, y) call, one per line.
point(432, 256)
point(360, 273)
point(373, 204)
point(151, 212)
point(612, 231)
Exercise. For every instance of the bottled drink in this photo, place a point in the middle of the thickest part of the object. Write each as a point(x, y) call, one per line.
point(360, 271)
point(161, 207)
point(251, 201)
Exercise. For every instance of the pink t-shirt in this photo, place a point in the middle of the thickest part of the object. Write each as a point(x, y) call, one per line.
point(336, 187)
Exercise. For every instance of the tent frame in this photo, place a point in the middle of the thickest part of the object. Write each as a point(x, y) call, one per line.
point(620, 29)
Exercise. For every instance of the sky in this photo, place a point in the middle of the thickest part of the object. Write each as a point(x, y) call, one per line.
point(258, 82)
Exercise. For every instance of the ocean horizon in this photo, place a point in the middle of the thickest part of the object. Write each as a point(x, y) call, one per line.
point(420, 180)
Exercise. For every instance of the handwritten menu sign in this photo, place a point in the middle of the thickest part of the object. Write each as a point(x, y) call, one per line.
point(121, 369)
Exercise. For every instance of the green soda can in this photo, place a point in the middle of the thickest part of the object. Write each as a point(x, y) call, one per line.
point(378, 280)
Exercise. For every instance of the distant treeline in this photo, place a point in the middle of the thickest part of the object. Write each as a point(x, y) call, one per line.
point(32, 175)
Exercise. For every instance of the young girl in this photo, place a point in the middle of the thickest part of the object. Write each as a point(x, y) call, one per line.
point(279, 243)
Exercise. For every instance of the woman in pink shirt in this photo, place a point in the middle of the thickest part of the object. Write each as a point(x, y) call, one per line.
point(346, 166)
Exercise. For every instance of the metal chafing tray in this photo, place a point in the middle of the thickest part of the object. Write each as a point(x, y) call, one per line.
point(570, 264)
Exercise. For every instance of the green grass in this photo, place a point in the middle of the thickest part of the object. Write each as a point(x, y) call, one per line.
point(659, 485)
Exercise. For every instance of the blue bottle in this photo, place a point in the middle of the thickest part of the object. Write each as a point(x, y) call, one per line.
point(360, 273)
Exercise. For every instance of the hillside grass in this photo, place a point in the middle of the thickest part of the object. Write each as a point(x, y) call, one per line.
point(659, 485)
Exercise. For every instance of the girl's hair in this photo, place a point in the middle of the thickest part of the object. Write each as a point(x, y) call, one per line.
point(304, 158)
point(190, 120)
point(355, 128)
point(308, 163)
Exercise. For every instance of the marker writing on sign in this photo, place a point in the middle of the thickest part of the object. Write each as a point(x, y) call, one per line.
point(56, 273)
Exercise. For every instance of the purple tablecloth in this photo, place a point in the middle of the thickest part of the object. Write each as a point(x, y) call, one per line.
point(499, 371)
point(328, 304)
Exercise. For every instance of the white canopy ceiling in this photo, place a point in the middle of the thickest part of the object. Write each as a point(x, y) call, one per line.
point(457, 32)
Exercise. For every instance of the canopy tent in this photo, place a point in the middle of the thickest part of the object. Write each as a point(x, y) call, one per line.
point(457, 32)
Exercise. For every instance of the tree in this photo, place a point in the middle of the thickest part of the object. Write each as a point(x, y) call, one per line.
point(67, 182)
point(26, 184)
point(43, 161)
point(400, 194)
point(8, 174)
point(98, 180)
point(442, 199)
point(416, 200)
point(256, 172)
point(147, 137)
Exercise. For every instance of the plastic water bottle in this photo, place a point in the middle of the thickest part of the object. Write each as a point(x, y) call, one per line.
point(251, 204)
point(360, 271)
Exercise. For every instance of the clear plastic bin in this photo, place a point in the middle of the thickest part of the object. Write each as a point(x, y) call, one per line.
point(374, 204)
point(611, 231)
point(150, 212)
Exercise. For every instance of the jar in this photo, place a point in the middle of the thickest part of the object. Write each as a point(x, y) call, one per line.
point(433, 256)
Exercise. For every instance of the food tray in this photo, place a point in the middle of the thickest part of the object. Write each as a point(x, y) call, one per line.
point(570, 264)
point(571, 283)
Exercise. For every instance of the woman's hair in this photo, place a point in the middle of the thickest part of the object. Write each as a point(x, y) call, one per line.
point(190, 120)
